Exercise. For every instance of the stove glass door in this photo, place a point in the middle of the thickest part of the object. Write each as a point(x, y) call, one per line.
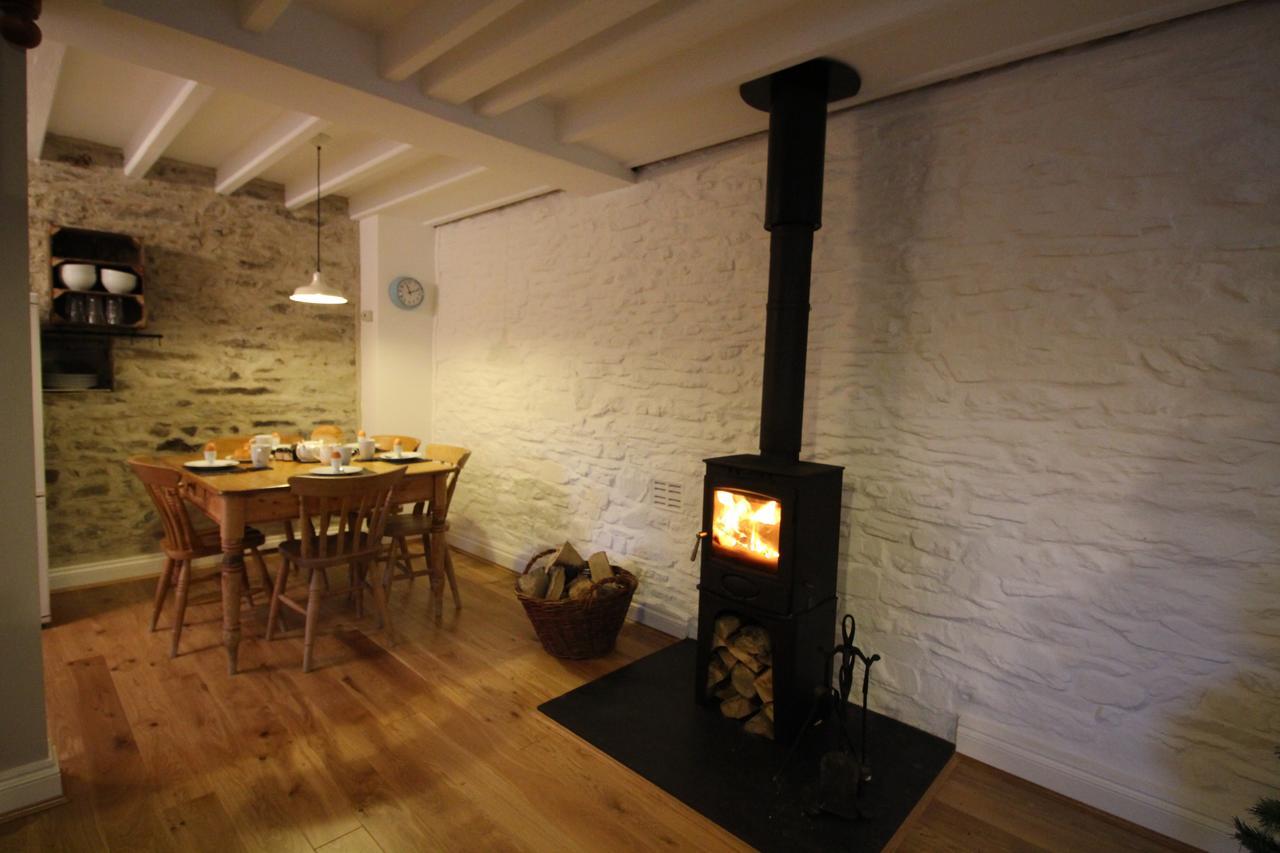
point(746, 526)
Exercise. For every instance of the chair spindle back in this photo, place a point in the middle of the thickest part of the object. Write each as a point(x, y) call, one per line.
point(164, 486)
point(357, 505)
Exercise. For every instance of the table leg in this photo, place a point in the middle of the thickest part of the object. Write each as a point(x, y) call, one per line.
point(231, 530)
point(439, 510)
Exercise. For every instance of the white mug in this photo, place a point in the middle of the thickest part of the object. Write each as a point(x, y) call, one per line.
point(367, 446)
point(260, 455)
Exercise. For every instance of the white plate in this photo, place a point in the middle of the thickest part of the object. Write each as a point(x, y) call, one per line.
point(217, 463)
point(404, 457)
point(327, 470)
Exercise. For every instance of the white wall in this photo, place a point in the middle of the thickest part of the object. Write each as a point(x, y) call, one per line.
point(395, 344)
point(28, 769)
point(1044, 346)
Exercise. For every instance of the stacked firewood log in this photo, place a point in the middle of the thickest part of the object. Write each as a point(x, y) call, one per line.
point(568, 576)
point(740, 673)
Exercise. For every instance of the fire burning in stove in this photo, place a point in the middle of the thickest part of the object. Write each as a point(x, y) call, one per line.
point(747, 526)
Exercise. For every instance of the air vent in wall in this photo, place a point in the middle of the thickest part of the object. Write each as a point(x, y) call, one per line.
point(667, 495)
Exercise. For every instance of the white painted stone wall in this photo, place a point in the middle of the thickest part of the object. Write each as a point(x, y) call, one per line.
point(1045, 346)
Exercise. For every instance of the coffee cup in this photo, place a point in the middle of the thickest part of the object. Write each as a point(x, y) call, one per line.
point(366, 447)
point(344, 451)
point(260, 455)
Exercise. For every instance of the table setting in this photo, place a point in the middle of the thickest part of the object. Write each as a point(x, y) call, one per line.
point(334, 458)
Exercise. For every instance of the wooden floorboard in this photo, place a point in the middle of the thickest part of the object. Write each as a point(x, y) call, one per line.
point(428, 739)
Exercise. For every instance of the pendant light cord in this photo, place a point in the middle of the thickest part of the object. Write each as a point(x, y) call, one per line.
point(317, 207)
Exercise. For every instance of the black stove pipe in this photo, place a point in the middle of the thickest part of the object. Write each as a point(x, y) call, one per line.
point(796, 99)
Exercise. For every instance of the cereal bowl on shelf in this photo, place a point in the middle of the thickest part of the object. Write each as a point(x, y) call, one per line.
point(118, 281)
point(77, 276)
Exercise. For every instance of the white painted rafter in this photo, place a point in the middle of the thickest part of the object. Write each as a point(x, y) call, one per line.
point(431, 29)
point(791, 35)
point(315, 64)
point(44, 66)
point(258, 16)
point(173, 109)
point(407, 186)
point(343, 172)
point(624, 48)
point(267, 148)
point(533, 33)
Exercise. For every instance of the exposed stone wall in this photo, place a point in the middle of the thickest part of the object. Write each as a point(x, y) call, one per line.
point(1044, 346)
point(237, 356)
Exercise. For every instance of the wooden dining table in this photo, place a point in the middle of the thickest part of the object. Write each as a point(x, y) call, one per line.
point(239, 497)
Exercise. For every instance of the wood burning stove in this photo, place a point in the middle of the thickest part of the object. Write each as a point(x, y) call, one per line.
point(772, 522)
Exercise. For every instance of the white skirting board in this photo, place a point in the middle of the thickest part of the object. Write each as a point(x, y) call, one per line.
point(30, 784)
point(149, 565)
point(645, 614)
point(123, 569)
point(1103, 788)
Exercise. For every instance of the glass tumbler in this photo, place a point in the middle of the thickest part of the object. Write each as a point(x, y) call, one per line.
point(75, 308)
point(114, 312)
point(95, 312)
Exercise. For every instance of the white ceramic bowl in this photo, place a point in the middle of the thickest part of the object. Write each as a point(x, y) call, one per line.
point(77, 276)
point(117, 281)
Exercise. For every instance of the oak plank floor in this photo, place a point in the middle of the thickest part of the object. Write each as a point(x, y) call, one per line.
point(427, 740)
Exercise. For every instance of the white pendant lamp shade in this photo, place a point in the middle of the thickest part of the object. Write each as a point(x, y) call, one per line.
point(318, 292)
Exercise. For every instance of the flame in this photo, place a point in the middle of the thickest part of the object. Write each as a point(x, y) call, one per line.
point(746, 527)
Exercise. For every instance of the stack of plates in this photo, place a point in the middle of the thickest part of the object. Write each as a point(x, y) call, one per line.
point(69, 381)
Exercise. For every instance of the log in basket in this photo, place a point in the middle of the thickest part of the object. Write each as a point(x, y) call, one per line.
point(586, 627)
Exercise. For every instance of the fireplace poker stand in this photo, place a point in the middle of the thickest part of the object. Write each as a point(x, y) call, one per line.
point(844, 771)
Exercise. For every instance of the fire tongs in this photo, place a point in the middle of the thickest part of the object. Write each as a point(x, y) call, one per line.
point(843, 771)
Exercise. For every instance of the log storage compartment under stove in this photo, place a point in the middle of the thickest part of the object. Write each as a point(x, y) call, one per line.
point(772, 521)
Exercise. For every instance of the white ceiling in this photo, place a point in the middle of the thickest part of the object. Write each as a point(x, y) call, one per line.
point(438, 109)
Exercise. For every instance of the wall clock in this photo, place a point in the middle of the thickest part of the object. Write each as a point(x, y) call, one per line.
point(407, 292)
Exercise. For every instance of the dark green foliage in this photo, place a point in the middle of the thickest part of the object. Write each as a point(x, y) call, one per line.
point(1265, 837)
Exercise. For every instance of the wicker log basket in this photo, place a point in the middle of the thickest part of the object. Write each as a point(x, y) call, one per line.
point(586, 627)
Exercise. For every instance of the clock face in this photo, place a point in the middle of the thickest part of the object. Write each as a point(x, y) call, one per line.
point(407, 292)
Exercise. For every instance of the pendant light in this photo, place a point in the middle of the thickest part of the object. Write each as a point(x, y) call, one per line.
point(318, 292)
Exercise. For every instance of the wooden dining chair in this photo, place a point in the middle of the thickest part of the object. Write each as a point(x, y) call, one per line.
point(356, 510)
point(418, 523)
point(384, 443)
point(183, 543)
point(328, 431)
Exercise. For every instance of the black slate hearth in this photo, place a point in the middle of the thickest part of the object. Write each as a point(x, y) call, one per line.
point(641, 715)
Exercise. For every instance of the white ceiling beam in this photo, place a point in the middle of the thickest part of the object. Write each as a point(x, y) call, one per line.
point(314, 63)
point(431, 29)
point(258, 16)
point(175, 107)
point(533, 33)
point(267, 148)
point(673, 25)
point(343, 172)
point(490, 204)
point(769, 44)
point(44, 66)
point(418, 182)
